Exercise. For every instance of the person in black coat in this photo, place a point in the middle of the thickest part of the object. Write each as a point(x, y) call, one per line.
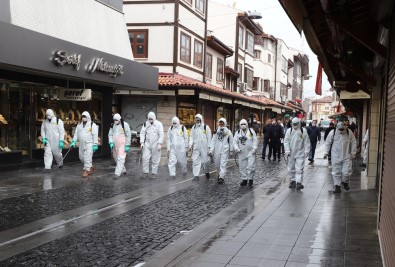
point(266, 137)
point(276, 133)
point(327, 131)
point(315, 135)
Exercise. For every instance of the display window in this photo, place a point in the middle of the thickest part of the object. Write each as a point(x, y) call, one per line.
point(223, 113)
point(186, 113)
point(22, 111)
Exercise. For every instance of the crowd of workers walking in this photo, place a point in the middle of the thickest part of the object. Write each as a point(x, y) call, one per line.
point(292, 140)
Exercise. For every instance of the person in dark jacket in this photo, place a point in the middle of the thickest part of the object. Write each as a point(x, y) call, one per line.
point(266, 137)
point(315, 135)
point(276, 133)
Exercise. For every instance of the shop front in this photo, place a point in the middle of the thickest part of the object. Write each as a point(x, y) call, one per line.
point(47, 72)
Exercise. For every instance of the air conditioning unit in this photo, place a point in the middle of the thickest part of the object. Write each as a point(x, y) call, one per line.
point(243, 87)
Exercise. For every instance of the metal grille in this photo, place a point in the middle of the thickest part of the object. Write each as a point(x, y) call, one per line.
point(387, 204)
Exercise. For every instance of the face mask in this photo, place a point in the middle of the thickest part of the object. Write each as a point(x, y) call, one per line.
point(273, 122)
point(313, 124)
point(243, 126)
point(49, 117)
point(85, 119)
point(116, 122)
point(342, 131)
point(295, 126)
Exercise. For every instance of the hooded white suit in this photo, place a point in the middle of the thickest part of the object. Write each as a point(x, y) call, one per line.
point(246, 143)
point(344, 148)
point(177, 146)
point(88, 135)
point(121, 138)
point(221, 143)
point(53, 130)
point(297, 145)
point(199, 141)
point(151, 138)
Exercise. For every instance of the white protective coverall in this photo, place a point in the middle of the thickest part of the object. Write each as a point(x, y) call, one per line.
point(297, 145)
point(366, 144)
point(151, 139)
point(221, 143)
point(245, 143)
point(199, 142)
point(87, 134)
point(120, 136)
point(344, 149)
point(52, 129)
point(177, 146)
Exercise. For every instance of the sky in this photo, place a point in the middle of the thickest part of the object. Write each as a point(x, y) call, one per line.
point(277, 23)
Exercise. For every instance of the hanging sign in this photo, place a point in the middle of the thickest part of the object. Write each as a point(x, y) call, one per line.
point(186, 92)
point(357, 95)
point(75, 94)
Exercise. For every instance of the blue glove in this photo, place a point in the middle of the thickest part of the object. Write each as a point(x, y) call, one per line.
point(73, 144)
point(61, 144)
point(127, 148)
point(45, 141)
point(95, 147)
point(111, 145)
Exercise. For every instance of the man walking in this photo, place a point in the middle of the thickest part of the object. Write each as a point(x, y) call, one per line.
point(177, 147)
point(343, 147)
point(199, 142)
point(245, 143)
point(266, 137)
point(297, 147)
point(221, 144)
point(119, 137)
point(314, 135)
point(327, 131)
point(52, 133)
point(151, 139)
point(276, 133)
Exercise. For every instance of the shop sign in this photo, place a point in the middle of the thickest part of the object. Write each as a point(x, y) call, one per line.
point(357, 95)
point(204, 96)
point(186, 92)
point(277, 110)
point(215, 98)
point(143, 92)
point(75, 94)
point(62, 58)
point(227, 100)
point(255, 106)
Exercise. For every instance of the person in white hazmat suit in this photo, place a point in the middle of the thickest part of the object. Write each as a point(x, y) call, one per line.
point(221, 145)
point(177, 146)
point(52, 133)
point(245, 143)
point(199, 142)
point(343, 146)
point(365, 143)
point(151, 139)
point(297, 148)
point(87, 133)
point(119, 138)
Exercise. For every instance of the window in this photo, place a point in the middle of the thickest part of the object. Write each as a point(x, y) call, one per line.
point(139, 42)
point(298, 69)
point(284, 65)
point(241, 36)
point(265, 43)
point(257, 54)
point(198, 54)
point(209, 66)
point(266, 87)
point(199, 5)
point(185, 48)
point(269, 58)
point(326, 108)
point(250, 42)
point(255, 83)
point(220, 70)
point(249, 77)
point(283, 89)
point(240, 71)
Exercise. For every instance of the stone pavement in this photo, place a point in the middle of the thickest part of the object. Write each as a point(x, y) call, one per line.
point(311, 227)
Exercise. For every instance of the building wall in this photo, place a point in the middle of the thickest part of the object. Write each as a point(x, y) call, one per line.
point(152, 13)
point(281, 77)
point(58, 19)
point(215, 55)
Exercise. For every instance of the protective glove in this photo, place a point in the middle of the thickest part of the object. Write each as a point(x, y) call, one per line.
point(231, 153)
point(45, 141)
point(73, 144)
point(306, 154)
point(287, 153)
point(111, 145)
point(127, 148)
point(95, 147)
point(141, 145)
point(325, 156)
point(237, 150)
point(253, 151)
point(61, 144)
point(210, 152)
point(159, 147)
point(190, 148)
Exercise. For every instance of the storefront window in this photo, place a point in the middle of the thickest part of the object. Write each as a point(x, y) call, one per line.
point(22, 111)
point(186, 113)
point(223, 113)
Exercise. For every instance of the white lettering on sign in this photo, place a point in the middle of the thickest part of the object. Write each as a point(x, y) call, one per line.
point(75, 94)
point(62, 58)
point(100, 65)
